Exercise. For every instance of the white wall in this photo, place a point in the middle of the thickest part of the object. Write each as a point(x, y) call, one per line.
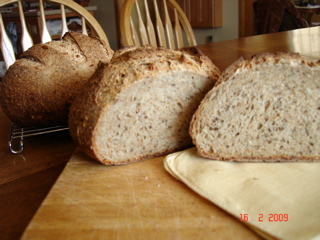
point(105, 15)
point(230, 29)
point(230, 24)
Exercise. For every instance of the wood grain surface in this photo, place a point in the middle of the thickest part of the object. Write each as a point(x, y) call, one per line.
point(304, 41)
point(26, 179)
point(134, 201)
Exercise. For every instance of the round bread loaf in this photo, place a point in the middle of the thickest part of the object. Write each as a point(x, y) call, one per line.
point(140, 104)
point(266, 109)
point(39, 87)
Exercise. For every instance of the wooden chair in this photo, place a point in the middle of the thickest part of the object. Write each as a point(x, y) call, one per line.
point(156, 22)
point(9, 56)
point(26, 41)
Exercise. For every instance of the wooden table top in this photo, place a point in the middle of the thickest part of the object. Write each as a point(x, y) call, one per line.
point(26, 179)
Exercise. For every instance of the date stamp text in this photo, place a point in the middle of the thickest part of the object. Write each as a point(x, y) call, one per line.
point(281, 217)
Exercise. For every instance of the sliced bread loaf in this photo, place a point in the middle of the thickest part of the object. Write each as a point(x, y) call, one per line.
point(263, 109)
point(38, 88)
point(140, 104)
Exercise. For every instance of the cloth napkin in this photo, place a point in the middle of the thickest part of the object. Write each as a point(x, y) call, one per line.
point(277, 200)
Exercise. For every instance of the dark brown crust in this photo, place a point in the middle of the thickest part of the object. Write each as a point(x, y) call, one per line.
point(258, 59)
point(141, 158)
point(39, 87)
point(81, 125)
point(257, 160)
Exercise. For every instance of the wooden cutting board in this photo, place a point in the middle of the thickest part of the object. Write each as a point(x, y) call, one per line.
point(134, 201)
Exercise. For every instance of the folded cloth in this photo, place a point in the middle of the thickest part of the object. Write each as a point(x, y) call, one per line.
point(277, 200)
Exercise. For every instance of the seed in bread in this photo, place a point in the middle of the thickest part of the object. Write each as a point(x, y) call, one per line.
point(38, 88)
point(140, 104)
point(265, 109)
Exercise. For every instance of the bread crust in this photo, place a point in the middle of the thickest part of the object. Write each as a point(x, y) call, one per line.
point(263, 60)
point(128, 66)
point(39, 87)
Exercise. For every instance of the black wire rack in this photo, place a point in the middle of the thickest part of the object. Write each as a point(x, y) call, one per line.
point(18, 133)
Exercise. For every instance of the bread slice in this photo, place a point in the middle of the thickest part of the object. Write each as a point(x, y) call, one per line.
point(38, 88)
point(140, 104)
point(266, 109)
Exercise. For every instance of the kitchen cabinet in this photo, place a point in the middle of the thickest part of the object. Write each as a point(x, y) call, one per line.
point(203, 13)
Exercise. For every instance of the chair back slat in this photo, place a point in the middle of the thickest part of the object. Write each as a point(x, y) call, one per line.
point(63, 21)
point(6, 46)
point(184, 22)
point(168, 26)
point(159, 26)
point(135, 37)
point(84, 26)
point(149, 26)
point(45, 35)
point(142, 28)
point(165, 22)
point(177, 29)
point(26, 40)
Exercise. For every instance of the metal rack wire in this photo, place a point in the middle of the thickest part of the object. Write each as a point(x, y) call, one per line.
point(18, 132)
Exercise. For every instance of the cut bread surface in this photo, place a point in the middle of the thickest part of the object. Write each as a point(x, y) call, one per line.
point(150, 118)
point(264, 109)
point(140, 104)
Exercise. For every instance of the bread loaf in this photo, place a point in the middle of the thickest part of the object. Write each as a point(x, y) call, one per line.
point(140, 104)
point(38, 88)
point(265, 109)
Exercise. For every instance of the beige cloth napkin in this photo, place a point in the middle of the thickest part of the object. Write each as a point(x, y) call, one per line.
point(285, 197)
